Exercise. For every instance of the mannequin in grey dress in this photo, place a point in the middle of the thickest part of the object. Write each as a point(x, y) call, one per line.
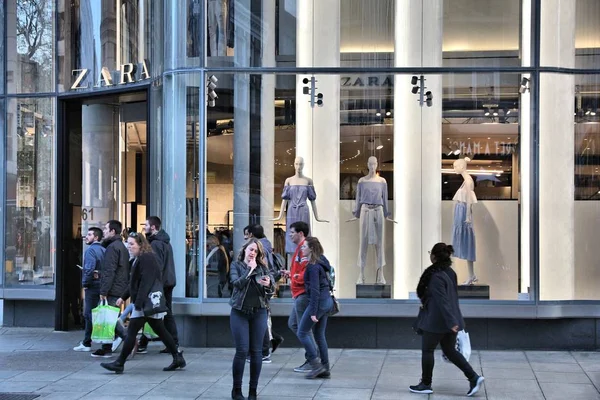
point(371, 208)
point(297, 190)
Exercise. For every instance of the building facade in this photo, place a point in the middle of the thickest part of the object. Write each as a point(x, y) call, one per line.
point(389, 125)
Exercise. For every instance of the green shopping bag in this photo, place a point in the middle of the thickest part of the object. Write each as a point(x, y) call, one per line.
point(104, 320)
point(149, 332)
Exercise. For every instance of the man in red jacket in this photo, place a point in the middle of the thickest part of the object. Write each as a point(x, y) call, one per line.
point(298, 231)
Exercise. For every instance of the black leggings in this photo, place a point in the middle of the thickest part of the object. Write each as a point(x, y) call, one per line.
point(135, 324)
point(448, 344)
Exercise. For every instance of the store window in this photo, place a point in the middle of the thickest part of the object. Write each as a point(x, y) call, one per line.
point(30, 177)
point(108, 43)
point(587, 34)
point(569, 186)
point(30, 46)
point(376, 175)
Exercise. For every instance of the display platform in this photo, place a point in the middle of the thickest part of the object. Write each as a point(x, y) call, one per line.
point(373, 291)
point(474, 292)
point(284, 292)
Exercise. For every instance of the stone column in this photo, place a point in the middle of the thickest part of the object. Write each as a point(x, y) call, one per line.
point(318, 129)
point(417, 143)
point(556, 143)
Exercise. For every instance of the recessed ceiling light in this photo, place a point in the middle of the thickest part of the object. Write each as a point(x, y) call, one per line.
point(379, 147)
point(489, 138)
point(355, 141)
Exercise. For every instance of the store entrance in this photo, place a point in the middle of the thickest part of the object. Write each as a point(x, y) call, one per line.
point(104, 174)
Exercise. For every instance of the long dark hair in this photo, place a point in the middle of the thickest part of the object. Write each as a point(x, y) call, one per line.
point(441, 252)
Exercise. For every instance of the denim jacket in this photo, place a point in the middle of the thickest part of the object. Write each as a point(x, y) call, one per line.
point(94, 255)
point(239, 276)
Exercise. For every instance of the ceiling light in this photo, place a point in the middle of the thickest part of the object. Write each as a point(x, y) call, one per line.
point(378, 113)
point(489, 138)
point(495, 113)
point(379, 147)
point(388, 113)
point(487, 114)
point(593, 113)
point(508, 112)
point(587, 112)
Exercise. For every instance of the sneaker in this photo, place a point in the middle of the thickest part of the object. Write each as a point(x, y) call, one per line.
point(303, 368)
point(116, 344)
point(267, 360)
point(421, 388)
point(82, 347)
point(142, 350)
point(475, 385)
point(101, 353)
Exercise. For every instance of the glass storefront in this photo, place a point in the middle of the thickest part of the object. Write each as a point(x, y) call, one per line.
point(388, 126)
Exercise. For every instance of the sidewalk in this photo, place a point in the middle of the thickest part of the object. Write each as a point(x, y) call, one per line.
point(39, 361)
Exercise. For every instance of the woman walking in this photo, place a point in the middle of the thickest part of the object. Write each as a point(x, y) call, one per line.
point(317, 284)
point(252, 288)
point(144, 273)
point(440, 319)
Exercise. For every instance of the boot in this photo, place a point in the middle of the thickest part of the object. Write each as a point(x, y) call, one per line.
point(115, 366)
point(236, 394)
point(317, 368)
point(178, 362)
point(252, 394)
point(325, 374)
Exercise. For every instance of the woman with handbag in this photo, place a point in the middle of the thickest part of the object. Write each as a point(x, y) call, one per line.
point(253, 286)
point(146, 291)
point(318, 287)
point(440, 319)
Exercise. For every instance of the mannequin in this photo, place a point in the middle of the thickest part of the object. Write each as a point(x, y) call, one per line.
point(463, 237)
point(371, 208)
point(296, 190)
point(216, 11)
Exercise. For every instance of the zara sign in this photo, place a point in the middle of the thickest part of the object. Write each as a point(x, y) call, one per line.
point(127, 73)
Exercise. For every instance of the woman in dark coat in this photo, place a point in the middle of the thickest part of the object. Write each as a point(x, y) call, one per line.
point(440, 319)
point(253, 286)
point(145, 271)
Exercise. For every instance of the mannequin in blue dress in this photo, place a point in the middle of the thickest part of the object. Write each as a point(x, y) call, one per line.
point(297, 190)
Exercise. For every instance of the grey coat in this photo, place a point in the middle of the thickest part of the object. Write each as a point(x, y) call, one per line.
point(441, 311)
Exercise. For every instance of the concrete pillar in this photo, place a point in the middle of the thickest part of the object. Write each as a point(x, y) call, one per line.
point(557, 91)
point(267, 123)
point(417, 143)
point(318, 129)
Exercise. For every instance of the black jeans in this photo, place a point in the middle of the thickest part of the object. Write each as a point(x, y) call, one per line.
point(135, 324)
point(91, 300)
point(169, 319)
point(248, 331)
point(447, 341)
point(112, 301)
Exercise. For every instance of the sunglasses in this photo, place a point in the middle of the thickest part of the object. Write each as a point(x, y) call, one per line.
point(133, 235)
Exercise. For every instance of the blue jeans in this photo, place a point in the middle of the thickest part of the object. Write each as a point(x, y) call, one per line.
point(300, 305)
point(318, 329)
point(91, 300)
point(128, 310)
point(248, 331)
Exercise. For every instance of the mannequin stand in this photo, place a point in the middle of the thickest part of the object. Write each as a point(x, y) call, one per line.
point(376, 291)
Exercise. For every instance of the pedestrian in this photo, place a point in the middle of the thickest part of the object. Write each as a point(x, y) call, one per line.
point(161, 245)
point(114, 277)
point(298, 231)
point(252, 288)
point(272, 339)
point(145, 272)
point(90, 279)
point(440, 319)
point(318, 288)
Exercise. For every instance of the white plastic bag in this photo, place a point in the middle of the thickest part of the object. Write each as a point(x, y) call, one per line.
point(463, 345)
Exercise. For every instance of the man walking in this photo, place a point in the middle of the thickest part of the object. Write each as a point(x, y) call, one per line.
point(92, 265)
point(114, 277)
point(298, 231)
point(161, 244)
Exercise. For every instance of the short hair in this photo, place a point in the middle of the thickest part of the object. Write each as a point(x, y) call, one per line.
point(153, 220)
point(97, 232)
point(257, 231)
point(300, 226)
point(247, 228)
point(114, 225)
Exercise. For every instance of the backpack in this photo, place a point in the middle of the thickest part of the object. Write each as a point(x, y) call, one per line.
point(278, 263)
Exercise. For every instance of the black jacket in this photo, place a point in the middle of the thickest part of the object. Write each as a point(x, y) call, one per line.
point(115, 268)
point(440, 305)
point(144, 272)
point(239, 276)
point(316, 282)
point(161, 244)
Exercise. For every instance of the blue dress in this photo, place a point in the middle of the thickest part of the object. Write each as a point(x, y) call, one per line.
point(463, 237)
point(297, 209)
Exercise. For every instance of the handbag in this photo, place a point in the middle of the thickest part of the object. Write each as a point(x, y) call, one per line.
point(417, 324)
point(155, 302)
point(335, 308)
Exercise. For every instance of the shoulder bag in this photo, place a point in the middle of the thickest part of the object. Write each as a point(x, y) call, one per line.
point(155, 302)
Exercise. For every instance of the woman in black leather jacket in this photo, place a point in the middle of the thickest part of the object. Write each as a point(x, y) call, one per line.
point(440, 319)
point(252, 288)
